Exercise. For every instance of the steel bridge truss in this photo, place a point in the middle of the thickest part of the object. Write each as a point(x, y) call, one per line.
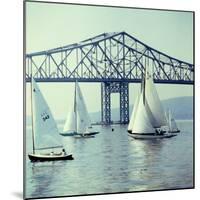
point(114, 59)
point(107, 57)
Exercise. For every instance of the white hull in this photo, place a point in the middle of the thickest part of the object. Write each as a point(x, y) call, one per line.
point(149, 137)
point(83, 136)
point(89, 133)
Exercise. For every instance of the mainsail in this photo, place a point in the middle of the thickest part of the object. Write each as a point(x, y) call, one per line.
point(154, 108)
point(70, 124)
point(142, 123)
point(46, 134)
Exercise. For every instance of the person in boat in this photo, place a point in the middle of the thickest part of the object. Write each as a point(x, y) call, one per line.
point(52, 153)
point(64, 152)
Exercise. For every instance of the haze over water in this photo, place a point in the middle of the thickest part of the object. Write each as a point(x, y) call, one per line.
point(114, 162)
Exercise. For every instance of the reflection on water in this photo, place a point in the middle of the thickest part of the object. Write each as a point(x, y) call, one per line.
point(113, 162)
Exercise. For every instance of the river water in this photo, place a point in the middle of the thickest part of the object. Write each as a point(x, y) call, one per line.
point(114, 162)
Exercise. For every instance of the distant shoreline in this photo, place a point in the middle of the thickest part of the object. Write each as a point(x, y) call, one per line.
point(181, 108)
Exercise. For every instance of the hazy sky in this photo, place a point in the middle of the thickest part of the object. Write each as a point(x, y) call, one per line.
point(53, 25)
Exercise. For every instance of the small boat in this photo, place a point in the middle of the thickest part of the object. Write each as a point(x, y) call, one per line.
point(172, 123)
point(148, 117)
point(45, 134)
point(78, 121)
point(43, 157)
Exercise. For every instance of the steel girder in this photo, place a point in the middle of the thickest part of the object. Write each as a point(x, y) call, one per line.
point(105, 103)
point(124, 103)
point(107, 57)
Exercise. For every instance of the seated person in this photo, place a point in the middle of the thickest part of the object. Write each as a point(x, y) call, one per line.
point(64, 152)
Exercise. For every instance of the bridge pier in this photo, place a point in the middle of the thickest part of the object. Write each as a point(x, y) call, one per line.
point(124, 103)
point(114, 87)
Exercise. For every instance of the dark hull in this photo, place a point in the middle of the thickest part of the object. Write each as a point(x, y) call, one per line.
point(68, 134)
point(178, 131)
point(75, 134)
point(161, 133)
point(41, 158)
point(151, 137)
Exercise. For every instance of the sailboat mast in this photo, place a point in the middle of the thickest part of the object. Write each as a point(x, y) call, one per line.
point(33, 138)
point(144, 84)
point(75, 107)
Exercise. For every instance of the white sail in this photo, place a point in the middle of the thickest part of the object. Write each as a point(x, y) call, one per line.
point(46, 134)
point(142, 123)
point(172, 123)
point(81, 123)
point(167, 118)
point(70, 124)
point(78, 119)
point(71, 120)
point(83, 119)
point(156, 111)
point(135, 106)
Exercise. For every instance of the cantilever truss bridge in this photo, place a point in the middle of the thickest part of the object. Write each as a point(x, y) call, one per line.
point(114, 60)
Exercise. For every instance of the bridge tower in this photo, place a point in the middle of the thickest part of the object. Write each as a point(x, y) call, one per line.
point(114, 87)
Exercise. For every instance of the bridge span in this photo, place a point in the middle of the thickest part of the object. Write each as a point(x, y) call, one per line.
point(113, 59)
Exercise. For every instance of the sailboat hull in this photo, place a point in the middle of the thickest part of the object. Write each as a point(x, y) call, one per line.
point(79, 136)
point(177, 131)
point(89, 133)
point(43, 158)
point(68, 134)
point(151, 136)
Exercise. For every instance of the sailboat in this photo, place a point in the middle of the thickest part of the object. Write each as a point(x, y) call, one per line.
point(78, 122)
point(148, 116)
point(45, 134)
point(172, 124)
